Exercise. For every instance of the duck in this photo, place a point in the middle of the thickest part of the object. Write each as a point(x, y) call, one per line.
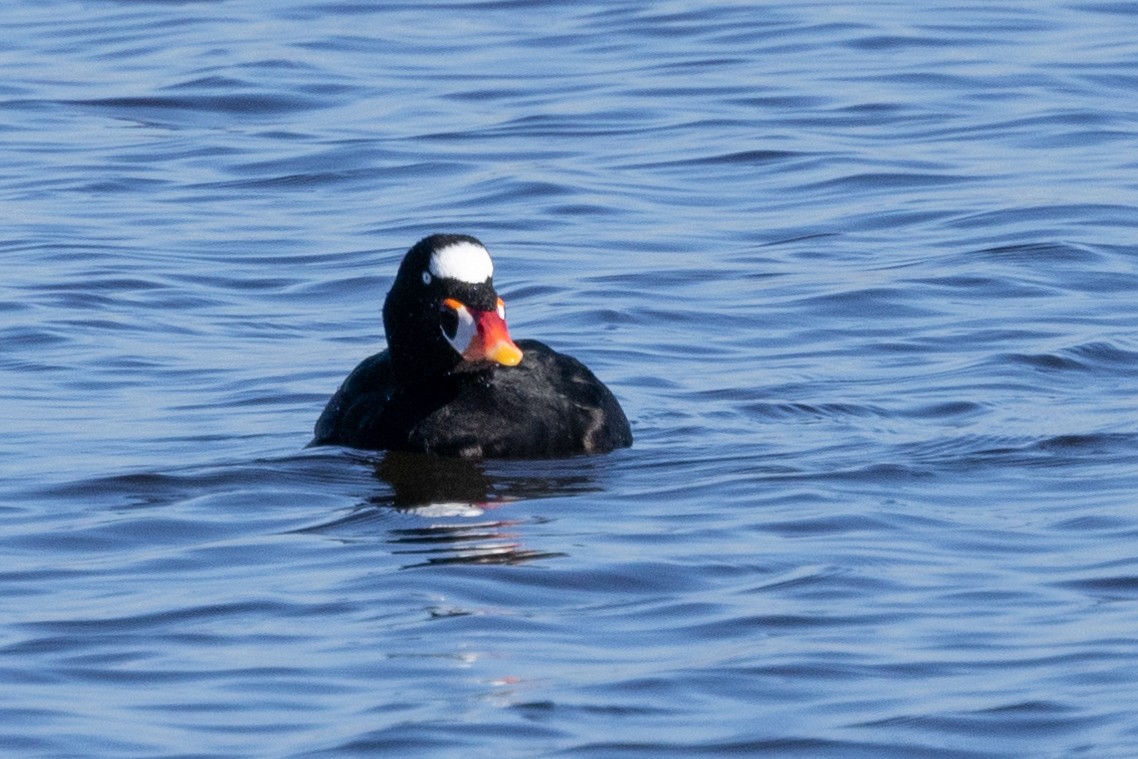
point(452, 382)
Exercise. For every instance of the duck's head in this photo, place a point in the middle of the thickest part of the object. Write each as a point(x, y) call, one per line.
point(442, 314)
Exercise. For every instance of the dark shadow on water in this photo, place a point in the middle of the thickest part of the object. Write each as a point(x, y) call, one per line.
point(456, 503)
point(424, 482)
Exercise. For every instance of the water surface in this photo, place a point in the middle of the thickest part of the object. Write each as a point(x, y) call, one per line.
point(863, 277)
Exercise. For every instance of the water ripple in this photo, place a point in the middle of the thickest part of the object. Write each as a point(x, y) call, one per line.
point(862, 277)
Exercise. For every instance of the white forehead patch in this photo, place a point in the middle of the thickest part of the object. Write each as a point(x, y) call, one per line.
point(464, 261)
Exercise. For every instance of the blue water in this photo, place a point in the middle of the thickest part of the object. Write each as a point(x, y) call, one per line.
point(864, 277)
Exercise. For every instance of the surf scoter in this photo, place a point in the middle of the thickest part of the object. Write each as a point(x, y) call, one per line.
point(453, 383)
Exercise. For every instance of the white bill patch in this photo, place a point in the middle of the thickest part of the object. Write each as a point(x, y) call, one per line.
point(466, 330)
point(463, 261)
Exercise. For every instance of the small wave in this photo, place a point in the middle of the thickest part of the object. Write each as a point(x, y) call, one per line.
point(1052, 451)
point(256, 104)
point(1097, 358)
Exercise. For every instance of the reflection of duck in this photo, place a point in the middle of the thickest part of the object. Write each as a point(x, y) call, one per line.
point(440, 488)
point(453, 383)
point(457, 497)
point(421, 482)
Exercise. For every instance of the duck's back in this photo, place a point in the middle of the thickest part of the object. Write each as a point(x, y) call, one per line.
point(354, 414)
point(548, 405)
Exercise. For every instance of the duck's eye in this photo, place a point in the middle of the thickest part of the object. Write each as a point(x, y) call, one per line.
point(426, 278)
point(448, 320)
point(501, 309)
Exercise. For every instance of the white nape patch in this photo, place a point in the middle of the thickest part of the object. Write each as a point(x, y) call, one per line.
point(463, 261)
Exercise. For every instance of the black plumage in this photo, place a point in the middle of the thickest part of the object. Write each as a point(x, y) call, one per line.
point(424, 394)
